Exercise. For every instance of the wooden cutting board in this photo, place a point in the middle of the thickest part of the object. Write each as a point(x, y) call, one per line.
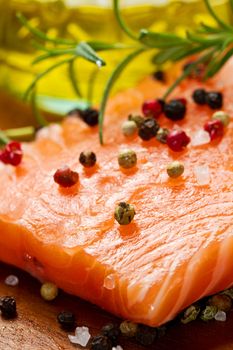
point(36, 327)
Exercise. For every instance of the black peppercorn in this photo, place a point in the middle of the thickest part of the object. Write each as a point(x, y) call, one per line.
point(89, 115)
point(148, 129)
point(112, 332)
point(159, 75)
point(199, 96)
point(175, 110)
point(66, 320)
point(101, 342)
point(87, 159)
point(8, 307)
point(214, 99)
point(146, 335)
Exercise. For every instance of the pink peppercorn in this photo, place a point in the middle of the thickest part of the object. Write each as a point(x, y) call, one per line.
point(215, 128)
point(177, 140)
point(12, 153)
point(152, 108)
point(65, 177)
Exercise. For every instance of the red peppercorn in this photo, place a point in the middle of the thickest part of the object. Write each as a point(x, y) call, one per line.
point(152, 108)
point(215, 128)
point(65, 177)
point(182, 100)
point(12, 153)
point(177, 140)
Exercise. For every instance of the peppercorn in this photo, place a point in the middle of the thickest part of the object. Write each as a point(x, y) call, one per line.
point(137, 119)
point(89, 115)
point(159, 75)
point(175, 110)
point(8, 307)
point(215, 128)
point(199, 96)
point(208, 313)
point(124, 213)
point(65, 177)
point(175, 169)
point(12, 153)
point(67, 320)
point(49, 291)
point(128, 328)
point(112, 332)
point(127, 159)
point(161, 135)
point(161, 331)
point(177, 140)
point(148, 129)
point(228, 292)
point(197, 72)
point(214, 99)
point(190, 314)
point(223, 302)
point(152, 108)
point(87, 159)
point(222, 116)
point(129, 128)
point(101, 342)
point(146, 335)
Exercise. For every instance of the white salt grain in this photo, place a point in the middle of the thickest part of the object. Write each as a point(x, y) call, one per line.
point(201, 137)
point(118, 347)
point(109, 282)
point(12, 281)
point(81, 337)
point(202, 174)
point(220, 316)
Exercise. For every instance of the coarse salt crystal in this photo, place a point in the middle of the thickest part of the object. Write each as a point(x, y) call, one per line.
point(202, 174)
point(220, 316)
point(201, 137)
point(118, 347)
point(81, 337)
point(12, 280)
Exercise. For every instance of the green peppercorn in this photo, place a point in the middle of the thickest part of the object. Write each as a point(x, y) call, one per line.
point(208, 313)
point(175, 169)
point(190, 314)
point(127, 159)
point(128, 328)
point(124, 213)
point(137, 119)
point(87, 159)
point(228, 292)
point(223, 116)
point(146, 335)
point(129, 128)
point(49, 291)
point(223, 302)
point(100, 342)
point(161, 135)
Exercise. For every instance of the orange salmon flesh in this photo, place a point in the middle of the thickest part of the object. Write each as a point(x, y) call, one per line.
point(179, 246)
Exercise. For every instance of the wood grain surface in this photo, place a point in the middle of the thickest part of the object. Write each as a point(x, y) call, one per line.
point(36, 327)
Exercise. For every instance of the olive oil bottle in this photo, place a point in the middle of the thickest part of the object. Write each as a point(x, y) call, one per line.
point(86, 20)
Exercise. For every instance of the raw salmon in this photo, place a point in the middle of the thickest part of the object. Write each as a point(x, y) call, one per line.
point(179, 246)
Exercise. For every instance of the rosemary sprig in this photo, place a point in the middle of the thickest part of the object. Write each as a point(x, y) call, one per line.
point(212, 44)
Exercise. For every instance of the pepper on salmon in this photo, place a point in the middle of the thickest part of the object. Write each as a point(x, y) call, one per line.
point(179, 246)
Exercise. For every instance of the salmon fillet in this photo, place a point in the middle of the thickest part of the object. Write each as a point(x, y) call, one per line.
point(179, 246)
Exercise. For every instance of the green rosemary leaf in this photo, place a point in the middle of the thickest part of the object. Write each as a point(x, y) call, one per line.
point(3, 138)
point(207, 29)
point(91, 84)
point(206, 40)
point(218, 64)
point(165, 55)
point(112, 79)
point(217, 19)
point(84, 50)
point(73, 78)
point(39, 118)
point(53, 54)
point(102, 46)
point(20, 133)
point(121, 22)
point(40, 35)
point(161, 40)
point(41, 75)
point(186, 53)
